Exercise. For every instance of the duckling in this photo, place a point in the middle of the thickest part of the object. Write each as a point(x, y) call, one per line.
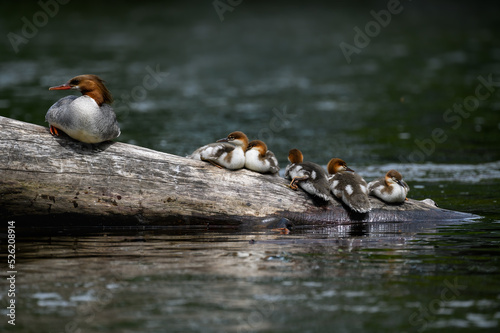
point(391, 188)
point(309, 176)
point(348, 186)
point(258, 158)
point(226, 153)
point(88, 118)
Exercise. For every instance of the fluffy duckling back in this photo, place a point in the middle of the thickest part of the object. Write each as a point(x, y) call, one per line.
point(309, 176)
point(348, 186)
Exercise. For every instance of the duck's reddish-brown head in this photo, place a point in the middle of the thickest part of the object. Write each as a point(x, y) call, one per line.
point(295, 156)
point(257, 145)
point(90, 85)
point(238, 138)
point(336, 165)
point(393, 176)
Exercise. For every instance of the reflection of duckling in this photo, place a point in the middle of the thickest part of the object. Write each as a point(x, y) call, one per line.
point(88, 118)
point(307, 175)
point(228, 152)
point(391, 188)
point(258, 158)
point(348, 186)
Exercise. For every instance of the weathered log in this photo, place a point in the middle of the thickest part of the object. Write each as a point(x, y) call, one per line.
point(48, 180)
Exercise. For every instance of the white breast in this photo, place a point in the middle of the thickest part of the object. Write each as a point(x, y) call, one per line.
point(253, 162)
point(83, 114)
point(295, 170)
point(236, 161)
point(398, 193)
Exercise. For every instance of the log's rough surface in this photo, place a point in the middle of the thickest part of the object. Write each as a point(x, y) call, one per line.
point(49, 180)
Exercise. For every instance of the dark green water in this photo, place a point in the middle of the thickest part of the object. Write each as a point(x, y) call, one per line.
point(413, 98)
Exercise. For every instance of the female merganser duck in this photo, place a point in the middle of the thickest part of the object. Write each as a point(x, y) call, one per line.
point(391, 188)
point(228, 152)
point(88, 118)
point(309, 176)
point(348, 186)
point(258, 158)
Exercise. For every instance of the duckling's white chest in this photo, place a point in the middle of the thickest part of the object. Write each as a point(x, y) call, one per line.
point(253, 162)
point(398, 193)
point(234, 159)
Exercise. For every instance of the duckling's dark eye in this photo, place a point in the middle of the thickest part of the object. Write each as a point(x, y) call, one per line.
point(74, 82)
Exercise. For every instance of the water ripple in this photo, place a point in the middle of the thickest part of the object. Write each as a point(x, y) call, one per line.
point(432, 172)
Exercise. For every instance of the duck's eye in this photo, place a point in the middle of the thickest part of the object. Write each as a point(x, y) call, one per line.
point(74, 82)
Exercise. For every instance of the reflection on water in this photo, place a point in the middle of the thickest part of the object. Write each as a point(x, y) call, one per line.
point(430, 172)
point(349, 277)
